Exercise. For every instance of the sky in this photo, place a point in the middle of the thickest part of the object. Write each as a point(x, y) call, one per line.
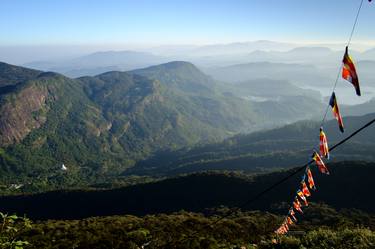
point(50, 29)
point(145, 22)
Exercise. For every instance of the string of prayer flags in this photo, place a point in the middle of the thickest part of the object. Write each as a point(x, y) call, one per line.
point(336, 111)
point(349, 72)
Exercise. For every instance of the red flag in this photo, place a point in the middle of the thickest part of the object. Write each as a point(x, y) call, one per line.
point(305, 190)
point(336, 111)
point(310, 179)
point(302, 196)
point(319, 162)
point(323, 144)
point(297, 205)
point(349, 73)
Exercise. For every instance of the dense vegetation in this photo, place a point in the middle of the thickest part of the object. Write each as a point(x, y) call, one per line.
point(166, 225)
point(344, 188)
point(320, 227)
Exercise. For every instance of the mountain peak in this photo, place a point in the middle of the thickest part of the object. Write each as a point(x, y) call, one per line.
point(179, 75)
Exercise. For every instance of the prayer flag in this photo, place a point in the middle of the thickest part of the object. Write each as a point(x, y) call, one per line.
point(310, 179)
point(336, 111)
point(292, 214)
point(302, 196)
point(305, 190)
point(349, 72)
point(323, 144)
point(319, 162)
point(297, 205)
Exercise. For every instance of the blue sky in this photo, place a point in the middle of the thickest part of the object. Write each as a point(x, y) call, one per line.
point(42, 22)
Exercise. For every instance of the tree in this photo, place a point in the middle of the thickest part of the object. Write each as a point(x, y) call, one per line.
point(11, 227)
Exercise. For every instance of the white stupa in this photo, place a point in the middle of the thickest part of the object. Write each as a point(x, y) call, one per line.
point(63, 167)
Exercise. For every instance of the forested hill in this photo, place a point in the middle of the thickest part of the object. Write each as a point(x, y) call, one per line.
point(288, 146)
point(346, 187)
point(102, 125)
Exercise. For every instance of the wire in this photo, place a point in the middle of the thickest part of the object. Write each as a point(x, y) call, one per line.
point(347, 45)
point(355, 23)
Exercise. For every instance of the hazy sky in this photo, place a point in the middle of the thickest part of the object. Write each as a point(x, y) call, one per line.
point(144, 22)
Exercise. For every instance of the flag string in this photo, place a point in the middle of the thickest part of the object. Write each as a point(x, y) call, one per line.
point(276, 184)
point(348, 72)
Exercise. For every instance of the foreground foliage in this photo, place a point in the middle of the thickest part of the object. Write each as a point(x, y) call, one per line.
point(344, 229)
point(11, 227)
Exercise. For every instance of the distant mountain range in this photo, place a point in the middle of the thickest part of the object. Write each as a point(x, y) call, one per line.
point(99, 62)
point(220, 49)
point(299, 74)
point(307, 67)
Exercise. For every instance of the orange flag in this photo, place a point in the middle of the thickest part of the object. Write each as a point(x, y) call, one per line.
point(310, 178)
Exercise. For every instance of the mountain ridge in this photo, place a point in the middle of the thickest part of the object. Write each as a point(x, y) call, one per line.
point(261, 151)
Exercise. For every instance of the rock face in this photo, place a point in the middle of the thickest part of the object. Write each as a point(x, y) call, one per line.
point(18, 118)
point(19, 103)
